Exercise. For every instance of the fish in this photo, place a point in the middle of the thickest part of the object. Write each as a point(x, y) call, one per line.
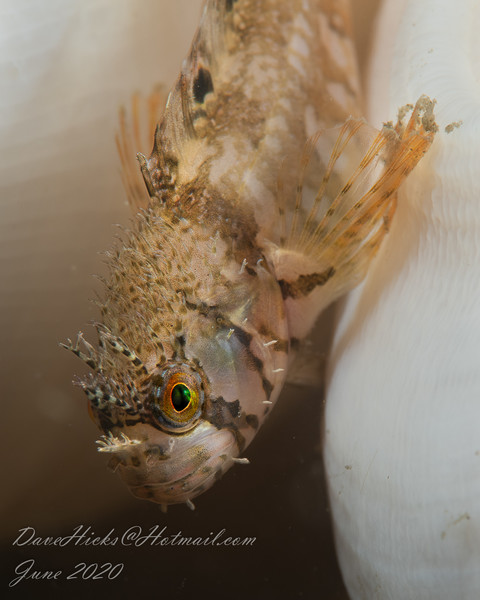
point(265, 198)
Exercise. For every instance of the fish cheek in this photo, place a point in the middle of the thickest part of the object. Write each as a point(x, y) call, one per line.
point(240, 370)
point(227, 415)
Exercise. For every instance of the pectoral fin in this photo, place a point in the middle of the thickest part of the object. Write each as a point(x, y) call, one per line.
point(345, 198)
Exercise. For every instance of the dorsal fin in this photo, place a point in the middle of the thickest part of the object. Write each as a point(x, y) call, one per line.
point(136, 129)
point(186, 102)
point(185, 119)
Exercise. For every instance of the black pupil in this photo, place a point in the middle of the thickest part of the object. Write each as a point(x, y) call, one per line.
point(181, 397)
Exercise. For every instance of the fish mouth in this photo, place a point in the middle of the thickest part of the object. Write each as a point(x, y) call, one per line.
point(173, 469)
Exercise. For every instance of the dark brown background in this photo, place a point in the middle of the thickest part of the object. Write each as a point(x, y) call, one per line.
point(64, 70)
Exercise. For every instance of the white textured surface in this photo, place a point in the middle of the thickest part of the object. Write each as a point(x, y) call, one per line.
point(402, 428)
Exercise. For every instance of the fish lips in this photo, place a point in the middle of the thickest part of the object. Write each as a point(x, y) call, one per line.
point(174, 468)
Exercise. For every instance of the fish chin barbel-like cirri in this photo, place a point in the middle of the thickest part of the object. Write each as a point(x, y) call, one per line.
point(248, 231)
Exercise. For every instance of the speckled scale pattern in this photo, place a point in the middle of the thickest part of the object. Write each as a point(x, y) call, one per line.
point(280, 72)
point(202, 293)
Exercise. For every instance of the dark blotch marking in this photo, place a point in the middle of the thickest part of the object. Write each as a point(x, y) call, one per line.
point(221, 413)
point(267, 387)
point(157, 452)
point(202, 85)
point(305, 284)
point(234, 408)
point(135, 461)
point(252, 420)
point(104, 421)
point(229, 4)
point(243, 336)
point(294, 343)
point(256, 363)
point(281, 346)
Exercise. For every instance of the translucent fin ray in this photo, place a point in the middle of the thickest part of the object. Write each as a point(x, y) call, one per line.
point(136, 130)
point(342, 212)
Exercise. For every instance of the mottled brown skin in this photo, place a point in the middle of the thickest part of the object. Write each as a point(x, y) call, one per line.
point(257, 84)
point(207, 291)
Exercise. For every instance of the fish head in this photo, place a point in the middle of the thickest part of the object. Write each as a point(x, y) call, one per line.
point(168, 452)
point(186, 372)
point(182, 439)
point(191, 416)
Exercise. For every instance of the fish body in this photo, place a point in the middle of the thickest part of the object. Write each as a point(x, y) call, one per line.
point(262, 77)
point(246, 234)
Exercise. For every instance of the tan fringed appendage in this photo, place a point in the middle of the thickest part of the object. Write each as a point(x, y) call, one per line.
point(136, 134)
point(347, 221)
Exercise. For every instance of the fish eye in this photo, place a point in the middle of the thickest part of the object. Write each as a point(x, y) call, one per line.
point(177, 399)
point(181, 397)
